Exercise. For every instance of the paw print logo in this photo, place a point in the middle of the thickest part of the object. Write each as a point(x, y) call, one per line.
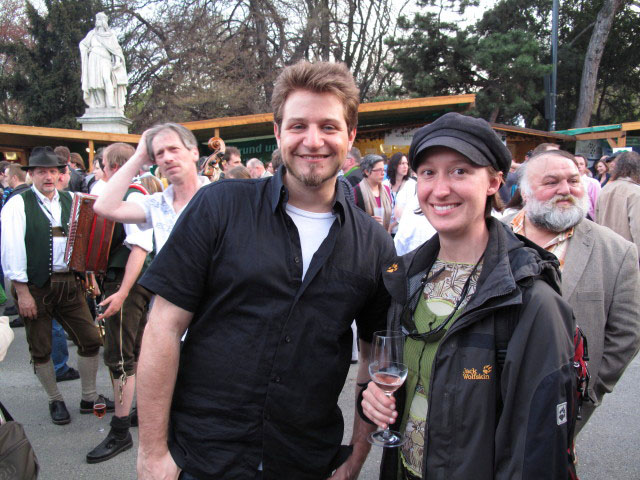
point(487, 369)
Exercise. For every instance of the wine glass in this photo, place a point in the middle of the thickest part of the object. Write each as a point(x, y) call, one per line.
point(388, 372)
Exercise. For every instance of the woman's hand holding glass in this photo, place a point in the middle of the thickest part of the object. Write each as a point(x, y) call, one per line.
point(378, 407)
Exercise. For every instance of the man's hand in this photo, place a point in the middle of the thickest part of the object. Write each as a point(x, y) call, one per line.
point(349, 470)
point(151, 467)
point(27, 305)
point(113, 303)
point(142, 155)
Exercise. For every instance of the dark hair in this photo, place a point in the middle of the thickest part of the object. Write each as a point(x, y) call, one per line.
point(78, 160)
point(392, 170)
point(318, 77)
point(63, 153)
point(627, 165)
point(229, 152)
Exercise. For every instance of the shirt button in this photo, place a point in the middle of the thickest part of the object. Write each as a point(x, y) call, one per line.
point(287, 339)
point(276, 379)
point(297, 259)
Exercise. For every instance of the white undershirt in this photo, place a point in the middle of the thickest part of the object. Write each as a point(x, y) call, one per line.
point(313, 228)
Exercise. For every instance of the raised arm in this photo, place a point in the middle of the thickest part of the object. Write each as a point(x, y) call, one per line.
point(110, 203)
point(157, 373)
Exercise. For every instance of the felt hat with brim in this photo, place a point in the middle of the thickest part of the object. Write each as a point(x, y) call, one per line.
point(472, 137)
point(43, 157)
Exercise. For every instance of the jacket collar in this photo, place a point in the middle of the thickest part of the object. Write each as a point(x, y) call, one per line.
point(508, 259)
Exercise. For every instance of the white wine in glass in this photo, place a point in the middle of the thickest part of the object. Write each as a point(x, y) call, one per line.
point(388, 372)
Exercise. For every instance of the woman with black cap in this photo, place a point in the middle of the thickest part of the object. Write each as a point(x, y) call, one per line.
point(463, 413)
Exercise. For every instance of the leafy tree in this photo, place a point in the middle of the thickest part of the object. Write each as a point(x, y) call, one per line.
point(45, 77)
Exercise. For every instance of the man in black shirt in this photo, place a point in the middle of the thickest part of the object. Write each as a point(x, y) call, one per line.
point(268, 287)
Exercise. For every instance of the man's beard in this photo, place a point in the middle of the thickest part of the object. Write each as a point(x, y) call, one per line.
point(556, 219)
point(313, 177)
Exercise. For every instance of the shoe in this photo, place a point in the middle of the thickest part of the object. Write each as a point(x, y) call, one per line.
point(16, 322)
point(109, 448)
point(70, 374)
point(133, 416)
point(11, 310)
point(87, 406)
point(59, 413)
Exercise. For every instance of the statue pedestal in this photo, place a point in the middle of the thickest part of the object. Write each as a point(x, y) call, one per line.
point(108, 120)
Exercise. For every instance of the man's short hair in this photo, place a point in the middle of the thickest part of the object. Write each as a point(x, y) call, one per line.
point(63, 153)
point(229, 152)
point(318, 77)
point(117, 154)
point(184, 134)
point(627, 165)
point(355, 154)
point(15, 169)
point(544, 147)
point(276, 159)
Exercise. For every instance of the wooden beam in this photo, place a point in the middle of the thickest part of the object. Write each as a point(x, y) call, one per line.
point(618, 142)
point(600, 135)
point(415, 103)
point(91, 148)
point(630, 126)
point(371, 107)
point(68, 134)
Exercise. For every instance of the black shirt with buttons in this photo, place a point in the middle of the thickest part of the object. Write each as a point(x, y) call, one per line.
point(267, 354)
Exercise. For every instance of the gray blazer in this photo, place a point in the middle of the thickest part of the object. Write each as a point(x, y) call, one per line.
point(601, 282)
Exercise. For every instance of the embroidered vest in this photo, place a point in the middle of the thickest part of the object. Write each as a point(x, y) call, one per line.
point(38, 237)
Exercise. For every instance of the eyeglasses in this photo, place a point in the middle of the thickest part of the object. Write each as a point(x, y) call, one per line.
point(377, 170)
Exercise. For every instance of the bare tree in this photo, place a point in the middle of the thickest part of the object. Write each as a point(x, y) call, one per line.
point(601, 30)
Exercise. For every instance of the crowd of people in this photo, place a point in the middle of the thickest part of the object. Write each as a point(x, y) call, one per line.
point(234, 292)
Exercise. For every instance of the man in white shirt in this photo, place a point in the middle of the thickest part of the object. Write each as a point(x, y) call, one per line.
point(36, 224)
point(125, 313)
point(175, 150)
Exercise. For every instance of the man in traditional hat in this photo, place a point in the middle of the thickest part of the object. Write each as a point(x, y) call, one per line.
point(36, 223)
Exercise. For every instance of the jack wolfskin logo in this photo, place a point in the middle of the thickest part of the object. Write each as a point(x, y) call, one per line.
point(561, 413)
point(392, 268)
point(472, 373)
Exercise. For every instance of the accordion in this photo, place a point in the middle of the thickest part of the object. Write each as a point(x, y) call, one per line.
point(89, 237)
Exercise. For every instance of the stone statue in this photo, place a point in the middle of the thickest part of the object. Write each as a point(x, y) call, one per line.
point(104, 74)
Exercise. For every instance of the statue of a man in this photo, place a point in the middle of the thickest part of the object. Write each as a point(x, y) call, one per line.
point(104, 74)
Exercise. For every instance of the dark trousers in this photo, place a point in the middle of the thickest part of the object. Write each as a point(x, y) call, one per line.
point(123, 331)
point(186, 476)
point(61, 297)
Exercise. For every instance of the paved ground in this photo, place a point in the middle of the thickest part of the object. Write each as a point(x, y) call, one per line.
point(609, 447)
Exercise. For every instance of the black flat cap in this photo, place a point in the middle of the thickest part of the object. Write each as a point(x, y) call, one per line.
point(472, 137)
point(43, 157)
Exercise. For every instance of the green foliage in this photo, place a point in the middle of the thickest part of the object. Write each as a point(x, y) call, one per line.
point(504, 56)
point(46, 74)
point(513, 86)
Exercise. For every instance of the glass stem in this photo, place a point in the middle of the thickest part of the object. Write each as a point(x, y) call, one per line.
point(386, 434)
